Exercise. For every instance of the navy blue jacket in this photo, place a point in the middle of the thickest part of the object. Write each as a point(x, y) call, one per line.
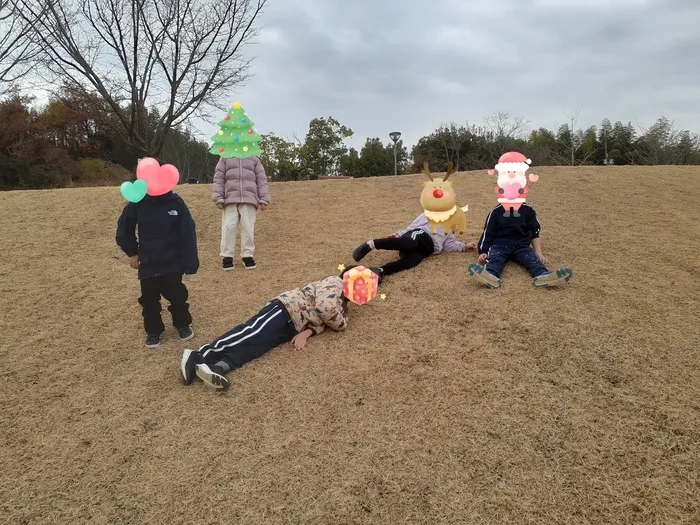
point(167, 240)
point(509, 231)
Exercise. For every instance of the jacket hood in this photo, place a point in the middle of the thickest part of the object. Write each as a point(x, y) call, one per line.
point(162, 198)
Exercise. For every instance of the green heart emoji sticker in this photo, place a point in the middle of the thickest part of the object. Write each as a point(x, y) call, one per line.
point(134, 191)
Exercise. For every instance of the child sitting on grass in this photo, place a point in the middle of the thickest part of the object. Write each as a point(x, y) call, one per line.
point(165, 250)
point(414, 244)
point(293, 316)
point(517, 238)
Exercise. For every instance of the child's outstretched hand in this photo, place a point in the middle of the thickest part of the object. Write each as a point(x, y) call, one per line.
point(542, 258)
point(470, 246)
point(263, 207)
point(134, 262)
point(482, 259)
point(300, 340)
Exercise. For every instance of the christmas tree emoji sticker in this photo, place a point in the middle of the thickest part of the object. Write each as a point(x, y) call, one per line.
point(236, 138)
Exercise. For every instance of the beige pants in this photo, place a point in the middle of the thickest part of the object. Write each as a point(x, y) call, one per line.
point(233, 216)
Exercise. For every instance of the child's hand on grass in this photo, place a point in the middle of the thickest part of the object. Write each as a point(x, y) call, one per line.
point(469, 246)
point(482, 259)
point(134, 262)
point(300, 340)
point(263, 206)
point(542, 258)
point(220, 205)
point(393, 236)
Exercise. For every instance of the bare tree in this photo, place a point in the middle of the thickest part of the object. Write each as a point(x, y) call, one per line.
point(576, 139)
point(16, 49)
point(504, 126)
point(453, 139)
point(504, 130)
point(155, 63)
point(573, 120)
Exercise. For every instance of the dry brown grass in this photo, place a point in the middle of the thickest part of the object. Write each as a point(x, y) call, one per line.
point(447, 403)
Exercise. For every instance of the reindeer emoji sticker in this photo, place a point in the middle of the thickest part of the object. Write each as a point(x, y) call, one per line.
point(439, 202)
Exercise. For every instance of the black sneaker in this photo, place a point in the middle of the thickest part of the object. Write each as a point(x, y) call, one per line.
point(153, 340)
point(188, 366)
point(228, 264)
point(361, 252)
point(249, 263)
point(211, 378)
point(185, 333)
point(379, 272)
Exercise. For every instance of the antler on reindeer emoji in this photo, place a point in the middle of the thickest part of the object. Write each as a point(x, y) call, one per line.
point(439, 202)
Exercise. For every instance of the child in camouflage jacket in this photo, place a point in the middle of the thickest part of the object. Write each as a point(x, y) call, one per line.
point(293, 316)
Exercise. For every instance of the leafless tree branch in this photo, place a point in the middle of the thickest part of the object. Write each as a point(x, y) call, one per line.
point(17, 51)
point(156, 63)
point(503, 126)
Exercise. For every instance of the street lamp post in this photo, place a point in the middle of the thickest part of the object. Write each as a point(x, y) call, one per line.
point(395, 136)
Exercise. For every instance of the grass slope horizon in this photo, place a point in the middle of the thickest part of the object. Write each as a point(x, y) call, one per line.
point(446, 403)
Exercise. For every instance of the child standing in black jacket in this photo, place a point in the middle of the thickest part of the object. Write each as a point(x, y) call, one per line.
point(165, 250)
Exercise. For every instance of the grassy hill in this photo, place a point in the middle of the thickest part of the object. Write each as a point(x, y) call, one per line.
point(446, 403)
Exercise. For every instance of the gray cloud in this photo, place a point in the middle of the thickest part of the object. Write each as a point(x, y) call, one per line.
point(381, 65)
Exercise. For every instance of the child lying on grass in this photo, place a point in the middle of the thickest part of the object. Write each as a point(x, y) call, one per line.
point(517, 238)
point(293, 316)
point(414, 244)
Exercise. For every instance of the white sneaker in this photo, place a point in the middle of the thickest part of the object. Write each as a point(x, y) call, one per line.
point(211, 378)
point(188, 365)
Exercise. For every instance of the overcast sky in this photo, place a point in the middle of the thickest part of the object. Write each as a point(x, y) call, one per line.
point(384, 65)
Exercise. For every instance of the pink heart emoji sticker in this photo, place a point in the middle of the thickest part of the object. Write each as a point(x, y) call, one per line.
point(534, 178)
point(160, 179)
point(511, 190)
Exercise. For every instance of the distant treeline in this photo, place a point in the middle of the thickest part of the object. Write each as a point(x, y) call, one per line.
point(74, 141)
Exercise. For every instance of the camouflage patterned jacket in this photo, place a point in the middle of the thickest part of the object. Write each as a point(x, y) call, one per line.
point(317, 305)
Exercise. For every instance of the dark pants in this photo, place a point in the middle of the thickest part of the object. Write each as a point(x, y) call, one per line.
point(171, 288)
point(523, 255)
point(269, 328)
point(413, 247)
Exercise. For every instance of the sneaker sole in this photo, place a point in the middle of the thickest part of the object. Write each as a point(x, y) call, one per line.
point(216, 381)
point(228, 269)
point(483, 280)
point(357, 255)
point(250, 267)
point(563, 277)
point(183, 367)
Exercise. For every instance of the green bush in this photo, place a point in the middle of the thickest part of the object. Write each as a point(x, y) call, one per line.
point(19, 175)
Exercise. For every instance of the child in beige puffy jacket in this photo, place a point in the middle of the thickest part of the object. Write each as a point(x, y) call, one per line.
point(240, 190)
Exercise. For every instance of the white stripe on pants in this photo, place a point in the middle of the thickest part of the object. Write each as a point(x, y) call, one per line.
point(269, 328)
point(233, 216)
point(241, 333)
